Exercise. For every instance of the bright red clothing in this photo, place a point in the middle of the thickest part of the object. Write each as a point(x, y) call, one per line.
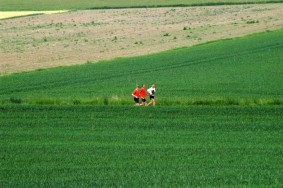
point(136, 93)
point(143, 92)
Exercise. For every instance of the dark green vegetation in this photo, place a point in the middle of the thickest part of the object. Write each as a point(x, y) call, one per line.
point(70, 146)
point(240, 71)
point(17, 5)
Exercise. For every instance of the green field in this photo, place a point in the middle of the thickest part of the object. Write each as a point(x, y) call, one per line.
point(16, 5)
point(122, 146)
point(218, 120)
point(239, 71)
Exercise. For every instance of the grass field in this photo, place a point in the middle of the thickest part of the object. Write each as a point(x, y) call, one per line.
point(16, 5)
point(71, 146)
point(245, 70)
point(218, 119)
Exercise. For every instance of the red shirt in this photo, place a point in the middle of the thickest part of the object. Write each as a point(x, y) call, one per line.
point(143, 92)
point(136, 93)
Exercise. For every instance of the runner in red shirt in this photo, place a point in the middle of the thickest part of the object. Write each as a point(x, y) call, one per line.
point(143, 95)
point(136, 95)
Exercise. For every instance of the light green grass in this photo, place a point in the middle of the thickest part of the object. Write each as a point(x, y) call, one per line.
point(114, 146)
point(239, 71)
point(16, 5)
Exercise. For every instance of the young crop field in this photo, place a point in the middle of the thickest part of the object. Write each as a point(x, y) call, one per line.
point(13, 5)
point(122, 146)
point(219, 100)
point(242, 71)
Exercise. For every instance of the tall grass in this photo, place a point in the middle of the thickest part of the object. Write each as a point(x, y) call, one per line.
point(160, 102)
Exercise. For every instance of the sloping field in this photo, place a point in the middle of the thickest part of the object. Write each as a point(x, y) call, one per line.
point(13, 5)
point(77, 146)
point(237, 71)
point(77, 37)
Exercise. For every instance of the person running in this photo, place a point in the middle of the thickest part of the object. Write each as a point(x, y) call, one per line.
point(136, 95)
point(151, 92)
point(143, 95)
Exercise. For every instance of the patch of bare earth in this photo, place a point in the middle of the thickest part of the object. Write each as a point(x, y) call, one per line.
point(45, 41)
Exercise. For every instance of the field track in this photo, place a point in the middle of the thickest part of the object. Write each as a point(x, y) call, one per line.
point(17, 14)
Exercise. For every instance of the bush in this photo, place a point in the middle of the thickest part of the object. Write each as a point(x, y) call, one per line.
point(76, 102)
point(105, 101)
point(252, 21)
point(16, 100)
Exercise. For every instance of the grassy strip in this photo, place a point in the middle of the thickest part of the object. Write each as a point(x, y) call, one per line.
point(160, 102)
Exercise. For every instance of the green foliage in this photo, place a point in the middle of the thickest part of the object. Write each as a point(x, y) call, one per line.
point(15, 5)
point(105, 101)
point(252, 21)
point(186, 28)
point(115, 39)
point(116, 146)
point(242, 71)
point(76, 102)
point(138, 42)
point(16, 100)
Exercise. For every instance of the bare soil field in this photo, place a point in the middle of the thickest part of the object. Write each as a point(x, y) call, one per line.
point(78, 37)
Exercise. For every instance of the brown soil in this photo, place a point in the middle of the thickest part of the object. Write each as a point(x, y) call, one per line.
point(45, 41)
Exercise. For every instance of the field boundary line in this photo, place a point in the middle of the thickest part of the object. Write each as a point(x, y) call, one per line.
point(184, 5)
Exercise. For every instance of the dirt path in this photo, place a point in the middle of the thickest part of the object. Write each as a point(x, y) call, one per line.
point(12, 14)
point(45, 41)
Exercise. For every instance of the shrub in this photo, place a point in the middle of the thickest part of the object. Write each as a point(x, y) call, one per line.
point(252, 21)
point(105, 101)
point(16, 100)
point(139, 42)
point(115, 38)
point(76, 102)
